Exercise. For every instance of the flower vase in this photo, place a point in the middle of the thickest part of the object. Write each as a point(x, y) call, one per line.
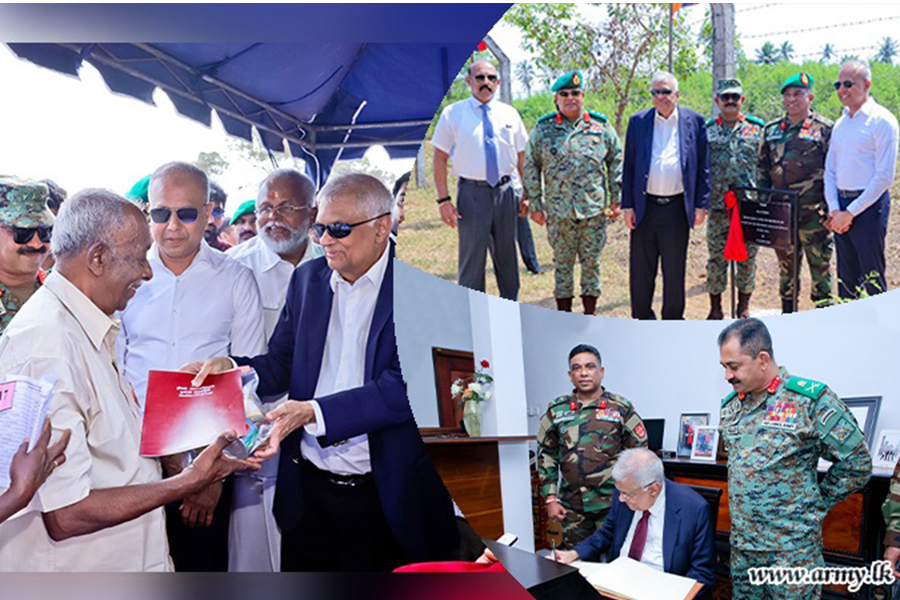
point(472, 418)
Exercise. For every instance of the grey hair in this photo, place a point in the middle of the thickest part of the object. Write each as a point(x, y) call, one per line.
point(641, 465)
point(860, 67)
point(182, 168)
point(306, 184)
point(89, 217)
point(372, 197)
point(664, 77)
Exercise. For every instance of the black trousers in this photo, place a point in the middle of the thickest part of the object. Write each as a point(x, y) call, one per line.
point(662, 234)
point(860, 251)
point(343, 529)
point(200, 549)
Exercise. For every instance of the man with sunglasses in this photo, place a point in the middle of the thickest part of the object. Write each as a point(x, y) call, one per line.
point(665, 192)
point(25, 226)
point(217, 198)
point(573, 170)
point(792, 157)
point(733, 140)
point(200, 303)
point(486, 140)
point(859, 171)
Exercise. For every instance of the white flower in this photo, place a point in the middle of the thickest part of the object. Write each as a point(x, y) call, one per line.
point(455, 389)
point(475, 388)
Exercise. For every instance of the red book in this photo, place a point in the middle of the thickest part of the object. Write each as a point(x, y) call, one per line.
point(178, 417)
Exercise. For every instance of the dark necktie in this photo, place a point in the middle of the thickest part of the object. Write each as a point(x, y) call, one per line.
point(490, 148)
point(640, 538)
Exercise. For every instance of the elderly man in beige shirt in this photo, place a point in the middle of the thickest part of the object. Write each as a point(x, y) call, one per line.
point(102, 509)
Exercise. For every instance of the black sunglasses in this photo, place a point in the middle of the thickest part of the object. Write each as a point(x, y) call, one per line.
point(491, 78)
point(660, 92)
point(23, 235)
point(730, 97)
point(185, 215)
point(217, 212)
point(341, 230)
point(846, 83)
point(567, 93)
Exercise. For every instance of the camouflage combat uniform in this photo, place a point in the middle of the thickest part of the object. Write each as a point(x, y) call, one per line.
point(792, 157)
point(733, 156)
point(581, 165)
point(581, 441)
point(10, 305)
point(891, 510)
point(776, 503)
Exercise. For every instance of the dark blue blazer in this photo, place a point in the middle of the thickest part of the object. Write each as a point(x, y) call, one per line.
point(413, 497)
point(688, 534)
point(693, 151)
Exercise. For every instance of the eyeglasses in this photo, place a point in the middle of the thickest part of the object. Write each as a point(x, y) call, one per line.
point(846, 83)
point(729, 97)
point(567, 93)
point(185, 215)
point(661, 92)
point(633, 495)
point(23, 235)
point(491, 78)
point(340, 230)
point(217, 211)
point(283, 210)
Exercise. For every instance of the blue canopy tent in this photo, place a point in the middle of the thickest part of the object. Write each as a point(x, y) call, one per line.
point(328, 100)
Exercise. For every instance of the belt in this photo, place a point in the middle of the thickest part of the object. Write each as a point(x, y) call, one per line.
point(343, 481)
point(663, 200)
point(503, 181)
point(849, 194)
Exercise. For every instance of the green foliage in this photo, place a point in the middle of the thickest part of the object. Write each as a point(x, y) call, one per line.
point(212, 163)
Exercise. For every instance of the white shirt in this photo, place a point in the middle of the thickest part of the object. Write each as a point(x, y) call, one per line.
point(60, 334)
point(460, 133)
point(272, 274)
point(343, 367)
point(653, 548)
point(664, 177)
point(212, 309)
point(862, 155)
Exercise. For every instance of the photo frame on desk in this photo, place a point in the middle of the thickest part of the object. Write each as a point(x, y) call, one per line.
point(865, 409)
point(705, 443)
point(686, 427)
point(887, 450)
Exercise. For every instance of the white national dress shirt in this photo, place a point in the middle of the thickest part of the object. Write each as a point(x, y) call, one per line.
point(862, 155)
point(60, 334)
point(664, 177)
point(212, 309)
point(343, 367)
point(272, 274)
point(460, 133)
point(653, 548)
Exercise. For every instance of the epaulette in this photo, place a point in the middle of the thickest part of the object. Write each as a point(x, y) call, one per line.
point(755, 120)
point(728, 398)
point(547, 117)
point(560, 400)
point(806, 387)
point(616, 398)
point(822, 119)
point(710, 122)
point(599, 116)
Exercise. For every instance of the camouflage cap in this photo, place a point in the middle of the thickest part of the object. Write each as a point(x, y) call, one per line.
point(24, 203)
point(139, 192)
point(798, 80)
point(246, 208)
point(729, 86)
point(569, 81)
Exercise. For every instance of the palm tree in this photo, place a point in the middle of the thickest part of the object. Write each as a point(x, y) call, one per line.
point(767, 54)
point(786, 51)
point(828, 53)
point(525, 73)
point(887, 51)
point(849, 57)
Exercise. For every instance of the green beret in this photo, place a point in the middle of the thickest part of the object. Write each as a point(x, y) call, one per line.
point(139, 192)
point(729, 86)
point(568, 81)
point(246, 208)
point(799, 80)
point(24, 203)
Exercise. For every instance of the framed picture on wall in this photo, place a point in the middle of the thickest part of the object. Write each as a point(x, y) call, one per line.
point(450, 365)
point(686, 430)
point(705, 443)
point(887, 450)
point(865, 410)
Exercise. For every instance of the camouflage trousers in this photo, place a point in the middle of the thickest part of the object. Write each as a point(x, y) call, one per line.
point(578, 526)
point(818, 245)
point(716, 266)
point(583, 239)
point(743, 560)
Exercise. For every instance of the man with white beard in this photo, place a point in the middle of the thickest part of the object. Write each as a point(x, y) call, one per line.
point(284, 212)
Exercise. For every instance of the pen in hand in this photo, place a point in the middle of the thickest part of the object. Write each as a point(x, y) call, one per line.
point(554, 551)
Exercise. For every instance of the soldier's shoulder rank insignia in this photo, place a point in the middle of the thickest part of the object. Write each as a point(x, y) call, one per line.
point(598, 116)
point(806, 387)
point(610, 415)
point(728, 398)
point(781, 414)
point(547, 117)
point(756, 120)
point(710, 122)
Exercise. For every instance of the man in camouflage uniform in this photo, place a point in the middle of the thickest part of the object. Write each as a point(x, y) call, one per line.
point(792, 157)
point(891, 510)
point(25, 224)
point(775, 427)
point(572, 173)
point(580, 437)
point(733, 146)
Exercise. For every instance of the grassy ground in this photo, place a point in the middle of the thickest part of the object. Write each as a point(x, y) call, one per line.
point(428, 244)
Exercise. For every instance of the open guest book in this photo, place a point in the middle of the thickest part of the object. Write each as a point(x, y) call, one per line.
point(627, 579)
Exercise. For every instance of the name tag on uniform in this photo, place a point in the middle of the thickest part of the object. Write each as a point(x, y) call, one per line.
point(775, 135)
point(781, 415)
point(609, 414)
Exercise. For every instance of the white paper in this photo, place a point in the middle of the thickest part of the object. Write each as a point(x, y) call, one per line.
point(23, 420)
point(630, 579)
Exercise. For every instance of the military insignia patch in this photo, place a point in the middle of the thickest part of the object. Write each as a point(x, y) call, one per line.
point(730, 413)
point(804, 79)
point(576, 79)
point(842, 431)
point(640, 431)
point(813, 135)
point(611, 415)
point(562, 430)
point(782, 415)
